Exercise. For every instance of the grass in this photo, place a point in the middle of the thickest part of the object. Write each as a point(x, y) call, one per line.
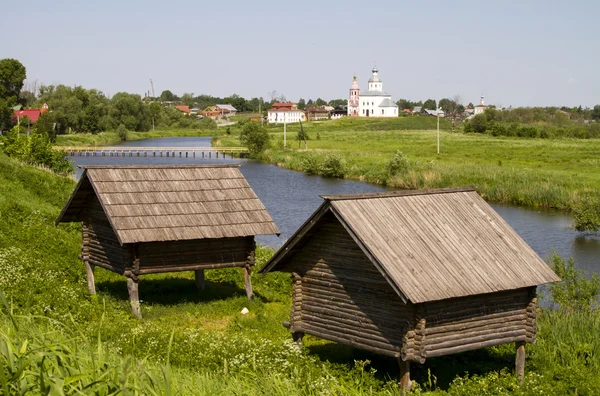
point(527, 172)
point(55, 337)
point(110, 138)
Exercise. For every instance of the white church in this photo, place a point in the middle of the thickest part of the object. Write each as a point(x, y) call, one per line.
point(372, 103)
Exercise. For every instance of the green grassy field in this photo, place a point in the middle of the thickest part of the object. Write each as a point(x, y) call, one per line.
point(520, 171)
point(55, 337)
point(109, 138)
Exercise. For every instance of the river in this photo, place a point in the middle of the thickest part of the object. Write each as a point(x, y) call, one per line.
point(291, 197)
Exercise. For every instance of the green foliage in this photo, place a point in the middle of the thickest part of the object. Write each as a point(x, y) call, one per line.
point(255, 137)
point(430, 104)
point(311, 164)
point(479, 123)
point(334, 165)
point(575, 292)
point(586, 213)
point(35, 149)
point(398, 165)
point(12, 76)
point(122, 133)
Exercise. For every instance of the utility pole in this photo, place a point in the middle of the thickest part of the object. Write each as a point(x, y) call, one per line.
point(284, 129)
point(438, 128)
point(152, 85)
point(260, 113)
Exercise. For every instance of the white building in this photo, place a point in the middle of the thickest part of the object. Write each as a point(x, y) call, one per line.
point(480, 108)
point(287, 113)
point(373, 103)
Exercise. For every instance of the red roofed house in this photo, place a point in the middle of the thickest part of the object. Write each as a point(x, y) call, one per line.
point(285, 112)
point(184, 109)
point(31, 114)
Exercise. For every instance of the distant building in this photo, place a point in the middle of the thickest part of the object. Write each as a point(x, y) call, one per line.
point(372, 103)
point(480, 108)
point(31, 114)
point(417, 110)
point(286, 112)
point(314, 113)
point(433, 113)
point(339, 112)
point(184, 109)
point(226, 110)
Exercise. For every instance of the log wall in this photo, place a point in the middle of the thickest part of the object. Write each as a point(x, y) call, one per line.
point(100, 246)
point(462, 324)
point(339, 295)
point(195, 254)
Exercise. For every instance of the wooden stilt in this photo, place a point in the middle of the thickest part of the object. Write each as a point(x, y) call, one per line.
point(199, 275)
point(297, 337)
point(134, 297)
point(248, 283)
point(89, 271)
point(405, 383)
point(520, 361)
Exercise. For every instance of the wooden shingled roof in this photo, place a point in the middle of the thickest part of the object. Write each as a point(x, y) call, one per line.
point(174, 202)
point(431, 244)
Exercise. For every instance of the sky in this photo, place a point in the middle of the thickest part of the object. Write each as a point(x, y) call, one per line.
point(517, 53)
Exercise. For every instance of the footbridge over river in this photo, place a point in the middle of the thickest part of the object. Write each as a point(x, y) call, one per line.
point(142, 151)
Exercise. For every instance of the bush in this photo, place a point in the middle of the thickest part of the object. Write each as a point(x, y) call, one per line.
point(334, 166)
point(479, 123)
point(496, 129)
point(310, 164)
point(122, 133)
point(586, 214)
point(255, 137)
point(397, 165)
point(575, 292)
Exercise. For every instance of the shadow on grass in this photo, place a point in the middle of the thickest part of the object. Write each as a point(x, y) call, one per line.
point(172, 290)
point(436, 373)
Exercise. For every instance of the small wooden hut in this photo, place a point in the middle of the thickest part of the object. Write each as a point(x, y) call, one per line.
point(412, 275)
point(139, 220)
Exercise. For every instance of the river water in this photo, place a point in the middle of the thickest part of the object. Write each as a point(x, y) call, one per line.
point(291, 197)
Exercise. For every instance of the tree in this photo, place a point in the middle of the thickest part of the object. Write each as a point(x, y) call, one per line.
point(596, 112)
point(470, 105)
point(155, 109)
point(451, 109)
point(12, 76)
point(255, 137)
point(405, 104)
point(188, 99)
point(479, 123)
point(301, 104)
point(122, 133)
point(45, 126)
point(429, 104)
point(320, 102)
point(338, 102)
point(167, 96)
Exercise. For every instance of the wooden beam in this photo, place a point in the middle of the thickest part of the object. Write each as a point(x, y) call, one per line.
point(199, 277)
point(248, 282)
point(89, 271)
point(398, 193)
point(520, 361)
point(405, 383)
point(134, 297)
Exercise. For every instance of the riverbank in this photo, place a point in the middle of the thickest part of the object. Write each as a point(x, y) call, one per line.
point(199, 343)
point(537, 173)
point(111, 138)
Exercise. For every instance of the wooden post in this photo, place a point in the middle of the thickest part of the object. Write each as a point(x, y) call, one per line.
point(405, 383)
point(89, 271)
point(199, 275)
point(248, 283)
point(520, 361)
point(297, 337)
point(134, 297)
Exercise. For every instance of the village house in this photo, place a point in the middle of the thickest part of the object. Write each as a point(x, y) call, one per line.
point(285, 112)
point(139, 220)
point(315, 113)
point(31, 114)
point(226, 110)
point(184, 109)
point(412, 275)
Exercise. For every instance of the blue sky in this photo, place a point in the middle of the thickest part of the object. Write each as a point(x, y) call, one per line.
point(519, 53)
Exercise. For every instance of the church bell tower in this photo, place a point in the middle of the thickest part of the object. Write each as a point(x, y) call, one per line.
point(353, 100)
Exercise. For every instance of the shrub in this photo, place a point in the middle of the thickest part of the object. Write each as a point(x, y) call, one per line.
point(333, 166)
point(310, 164)
point(397, 165)
point(575, 292)
point(497, 129)
point(479, 123)
point(529, 131)
point(468, 127)
point(122, 133)
point(255, 137)
point(586, 213)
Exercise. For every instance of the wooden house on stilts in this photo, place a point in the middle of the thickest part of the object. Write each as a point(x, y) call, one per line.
point(139, 220)
point(412, 275)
